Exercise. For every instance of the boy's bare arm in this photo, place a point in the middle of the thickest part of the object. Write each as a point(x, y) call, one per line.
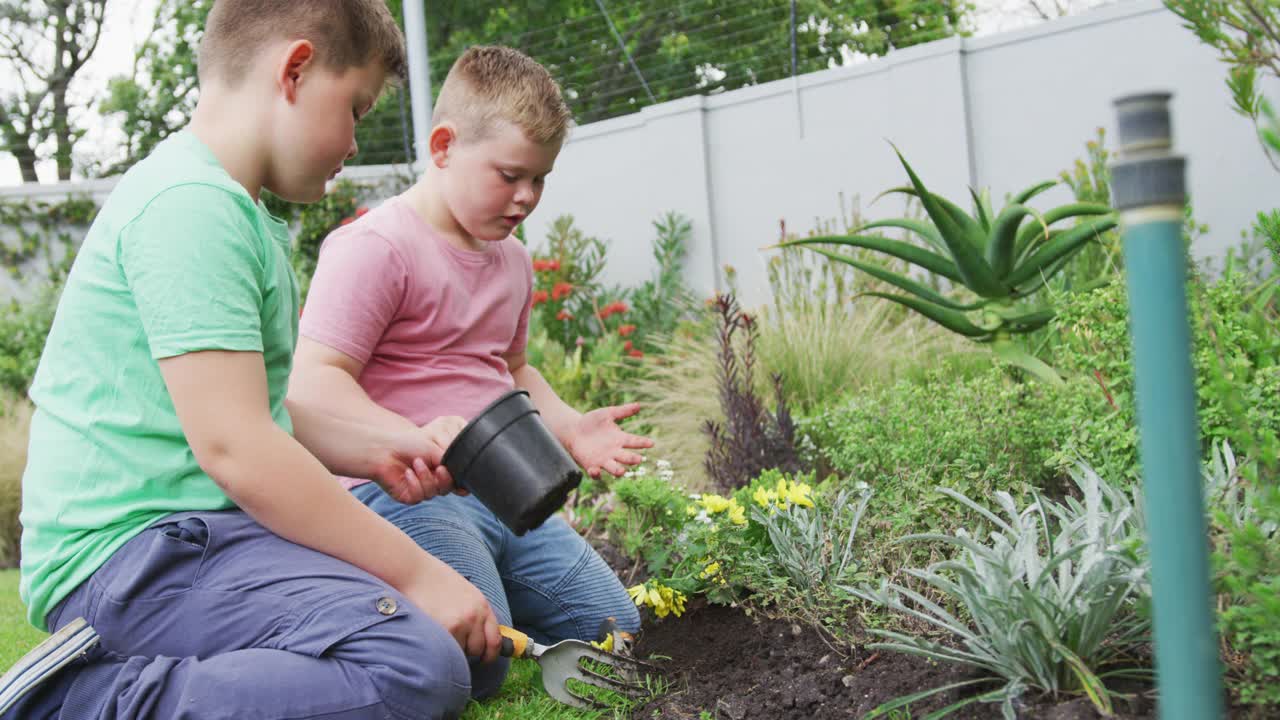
point(273, 478)
point(559, 416)
point(327, 381)
point(362, 450)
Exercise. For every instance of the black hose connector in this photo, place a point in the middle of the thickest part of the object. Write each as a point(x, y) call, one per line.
point(1147, 173)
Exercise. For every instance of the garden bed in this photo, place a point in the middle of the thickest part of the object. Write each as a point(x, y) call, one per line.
point(734, 666)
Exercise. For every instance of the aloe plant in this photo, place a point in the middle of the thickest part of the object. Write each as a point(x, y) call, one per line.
point(1002, 258)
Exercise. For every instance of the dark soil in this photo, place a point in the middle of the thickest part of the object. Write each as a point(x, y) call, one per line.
point(737, 667)
point(734, 666)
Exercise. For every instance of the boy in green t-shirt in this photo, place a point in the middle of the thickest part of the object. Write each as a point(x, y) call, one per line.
point(184, 536)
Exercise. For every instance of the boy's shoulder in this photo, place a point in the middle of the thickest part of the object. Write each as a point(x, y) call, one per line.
point(408, 237)
point(179, 161)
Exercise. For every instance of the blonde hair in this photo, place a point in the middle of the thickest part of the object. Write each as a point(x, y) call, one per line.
point(488, 84)
point(346, 34)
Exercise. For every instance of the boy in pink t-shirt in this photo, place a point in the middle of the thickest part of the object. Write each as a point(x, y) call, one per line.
point(417, 317)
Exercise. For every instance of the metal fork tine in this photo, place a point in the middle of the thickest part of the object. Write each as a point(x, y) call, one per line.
point(604, 682)
point(619, 661)
point(583, 701)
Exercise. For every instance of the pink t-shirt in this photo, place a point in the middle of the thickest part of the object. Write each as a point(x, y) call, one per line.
point(430, 322)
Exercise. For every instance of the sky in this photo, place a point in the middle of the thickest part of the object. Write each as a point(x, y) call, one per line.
point(125, 26)
point(127, 23)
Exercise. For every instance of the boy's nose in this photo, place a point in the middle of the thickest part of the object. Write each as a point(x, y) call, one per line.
point(351, 152)
point(525, 194)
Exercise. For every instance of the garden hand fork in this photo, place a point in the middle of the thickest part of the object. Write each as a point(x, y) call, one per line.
point(561, 662)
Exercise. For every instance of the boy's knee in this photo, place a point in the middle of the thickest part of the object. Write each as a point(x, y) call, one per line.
point(487, 678)
point(627, 615)
point(422, 671)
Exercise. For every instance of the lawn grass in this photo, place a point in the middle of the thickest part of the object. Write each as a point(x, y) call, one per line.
point(16, 634)
point(521, 697)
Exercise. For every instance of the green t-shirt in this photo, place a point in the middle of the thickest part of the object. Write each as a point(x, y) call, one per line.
point(180, 259)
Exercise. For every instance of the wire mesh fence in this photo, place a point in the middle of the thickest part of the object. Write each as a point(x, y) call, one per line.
point(611, 57)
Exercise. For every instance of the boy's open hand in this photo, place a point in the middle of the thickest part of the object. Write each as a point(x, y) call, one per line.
point(597, 443)
point(414, 471)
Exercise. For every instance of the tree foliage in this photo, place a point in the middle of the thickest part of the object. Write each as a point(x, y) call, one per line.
point(43, 44)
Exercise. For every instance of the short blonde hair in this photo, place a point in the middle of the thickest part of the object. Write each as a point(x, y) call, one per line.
point(346, 34)
point(489, 83)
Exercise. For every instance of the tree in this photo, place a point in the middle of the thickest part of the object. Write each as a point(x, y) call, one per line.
point(44, 44)
point(160, 96)
point(1246, 34)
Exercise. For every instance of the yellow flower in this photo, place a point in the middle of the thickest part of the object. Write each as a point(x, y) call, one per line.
point(714, 503)
point(737, 513)
point(677, 603)
point(801, 495)
point(637, 593)
point(710, 571)
point(606, 644)
point(764, 498)
point(664, 600)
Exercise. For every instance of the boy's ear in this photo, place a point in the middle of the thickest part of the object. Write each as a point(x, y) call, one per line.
point(298, 57)
point(439, 142)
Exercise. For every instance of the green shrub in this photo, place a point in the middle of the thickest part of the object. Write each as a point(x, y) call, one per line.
point(663, 303)
point(1250, 624)
point(590, 376)
point(1236, 356)
point(591, 340)
point(1245, 527)
point(15, 418)
point(23, 330)
point(976, 435)
point(568, 301)
point(1052, 597)
point(649, 509)
point(779, 542)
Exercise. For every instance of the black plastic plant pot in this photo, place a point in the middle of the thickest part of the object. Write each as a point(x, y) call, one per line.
point(508, 458)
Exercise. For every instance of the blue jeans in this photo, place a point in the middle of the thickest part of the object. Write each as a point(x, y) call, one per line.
point(548, 582)
point(209, 616)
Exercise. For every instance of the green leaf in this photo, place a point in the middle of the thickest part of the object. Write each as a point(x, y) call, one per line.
point(1092, 686)
point(919, 227)
point(973, 230)
point(1043, 277)
point(964, 240)
point(993, 696)
point(1000, 248)
point(1029, 234)
point(1016, 356)
point(906, 700)
point(1032, 191)
point(1030, 321)
point(920, 257)
point(1060, 247)
point(952, 320)
point(900, 281)
point(980, 207)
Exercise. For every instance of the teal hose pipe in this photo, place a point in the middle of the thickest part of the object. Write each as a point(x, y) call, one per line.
point(1148, 185)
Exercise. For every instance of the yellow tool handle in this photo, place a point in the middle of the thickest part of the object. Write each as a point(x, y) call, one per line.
point(515, 644)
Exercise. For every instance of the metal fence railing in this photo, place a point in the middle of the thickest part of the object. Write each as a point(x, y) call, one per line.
point(612, 57)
